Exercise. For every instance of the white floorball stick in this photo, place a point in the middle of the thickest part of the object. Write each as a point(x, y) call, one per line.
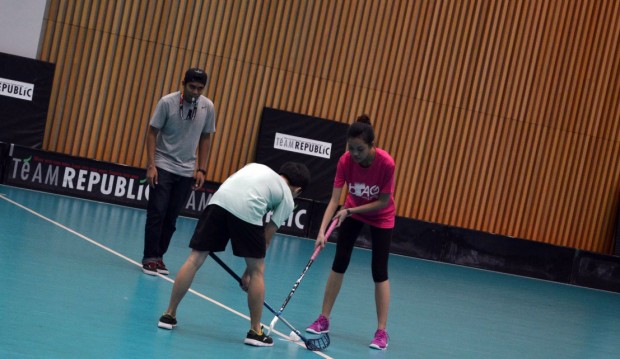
point(303, 273)
point(319, 343)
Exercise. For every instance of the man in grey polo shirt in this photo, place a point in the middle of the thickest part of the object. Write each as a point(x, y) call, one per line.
point(178, 144)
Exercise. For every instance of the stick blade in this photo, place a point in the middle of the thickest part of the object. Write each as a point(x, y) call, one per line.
point(272, 325)
point(318, 344)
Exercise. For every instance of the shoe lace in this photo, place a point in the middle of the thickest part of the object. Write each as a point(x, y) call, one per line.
point(381, 335)
point(323, 322)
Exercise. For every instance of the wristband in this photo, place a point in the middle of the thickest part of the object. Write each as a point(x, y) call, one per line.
point(348, 212)
point(204, 172)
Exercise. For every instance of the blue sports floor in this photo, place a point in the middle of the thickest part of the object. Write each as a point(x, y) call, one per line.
point(72, 288)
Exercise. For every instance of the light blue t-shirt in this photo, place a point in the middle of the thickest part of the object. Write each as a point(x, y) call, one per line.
point(177, 140)
point(252, 192)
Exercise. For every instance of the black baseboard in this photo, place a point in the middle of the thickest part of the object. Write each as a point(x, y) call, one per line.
point(442, 243)
point(596, 270)
point(504, 254)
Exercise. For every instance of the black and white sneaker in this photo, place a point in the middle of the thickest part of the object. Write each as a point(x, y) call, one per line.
point(167, 321)
point(258, 340)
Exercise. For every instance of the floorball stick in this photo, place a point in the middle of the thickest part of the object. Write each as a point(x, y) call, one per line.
point(314, 344)
point(329, 231)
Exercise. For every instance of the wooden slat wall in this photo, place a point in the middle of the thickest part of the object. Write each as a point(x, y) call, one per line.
point(503, 116)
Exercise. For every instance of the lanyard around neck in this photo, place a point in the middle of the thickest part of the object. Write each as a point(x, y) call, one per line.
point(191, 114)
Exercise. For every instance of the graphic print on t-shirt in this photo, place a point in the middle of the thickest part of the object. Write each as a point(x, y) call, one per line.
point(364, 191)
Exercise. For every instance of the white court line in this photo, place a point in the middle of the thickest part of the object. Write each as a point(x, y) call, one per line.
point(92, 241)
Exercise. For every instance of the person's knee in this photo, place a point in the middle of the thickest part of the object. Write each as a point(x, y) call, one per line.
point(257, 273)
point(341, 263)
point(339, 268)
point(379, 275)
point(197, 258)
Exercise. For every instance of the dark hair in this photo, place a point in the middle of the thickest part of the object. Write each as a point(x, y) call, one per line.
point(296, 173)
point(363, 129)
point(195, 75)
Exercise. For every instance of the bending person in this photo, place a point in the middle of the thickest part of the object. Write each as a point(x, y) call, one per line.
point(236, 212)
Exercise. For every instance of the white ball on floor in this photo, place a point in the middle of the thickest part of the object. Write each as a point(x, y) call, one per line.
point(294, 337)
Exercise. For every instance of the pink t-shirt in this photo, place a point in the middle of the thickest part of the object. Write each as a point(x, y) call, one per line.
point(365, 185)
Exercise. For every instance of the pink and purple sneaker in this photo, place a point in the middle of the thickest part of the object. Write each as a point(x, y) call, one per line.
point(381, 340)
point(320, 325)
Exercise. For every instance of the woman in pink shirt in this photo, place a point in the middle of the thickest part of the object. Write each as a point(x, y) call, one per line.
point(368, 172)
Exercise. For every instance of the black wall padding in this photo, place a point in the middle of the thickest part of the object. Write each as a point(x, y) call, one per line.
point(595, 270)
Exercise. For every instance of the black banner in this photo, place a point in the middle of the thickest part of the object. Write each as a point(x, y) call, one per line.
point(298, 223)
point(112, 183)
point(25, 89)
point(74, 176)
point(4, 160)
point(90, 179)
point(318, 143)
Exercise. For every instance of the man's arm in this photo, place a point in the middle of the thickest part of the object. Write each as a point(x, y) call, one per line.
point(151, 170)
point(204, 148)
point(270, 230)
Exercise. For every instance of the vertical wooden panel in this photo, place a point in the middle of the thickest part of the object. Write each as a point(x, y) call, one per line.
point(503, 116)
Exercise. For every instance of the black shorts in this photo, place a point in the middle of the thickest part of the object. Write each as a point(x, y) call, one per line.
point(216, 226)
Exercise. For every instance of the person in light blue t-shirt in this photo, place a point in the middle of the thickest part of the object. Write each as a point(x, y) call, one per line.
point(235, 213)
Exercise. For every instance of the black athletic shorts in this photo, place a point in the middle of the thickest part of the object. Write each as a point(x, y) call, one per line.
point(216, 226)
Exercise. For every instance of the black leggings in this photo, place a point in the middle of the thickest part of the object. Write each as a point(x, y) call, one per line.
point(381, 239)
